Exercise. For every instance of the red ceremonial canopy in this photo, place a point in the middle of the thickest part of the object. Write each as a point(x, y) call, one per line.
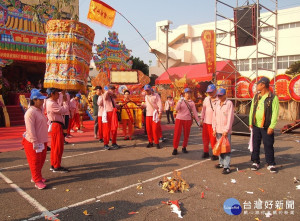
point(198, 72)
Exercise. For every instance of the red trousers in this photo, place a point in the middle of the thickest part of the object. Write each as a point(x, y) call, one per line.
point(70, 125)
point(107, 130)
point(186, 125)
point(159, 131)
point(125, 123)
point(100, 127)
point(207, 136)
point(76, 121)
point(35, 160)
point(153, 130)
point(57, 145)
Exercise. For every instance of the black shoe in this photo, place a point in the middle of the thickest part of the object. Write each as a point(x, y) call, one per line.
point(168, 123)
point(149, 145)
point(66, 142)
point(218, 166)
point(101, 141)
point(226, 171)
point(214, 157)
point(60, 170)
point(106, 147)
point(158, 146)
point(205, 155)
point(184, 150)
point(115, 146)
point(48, 148)
point(51, 168)
point(174, 152)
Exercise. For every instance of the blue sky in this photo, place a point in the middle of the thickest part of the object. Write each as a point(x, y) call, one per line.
point(143, 14)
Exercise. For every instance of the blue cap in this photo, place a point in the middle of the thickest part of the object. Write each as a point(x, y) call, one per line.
point(147, 87)
point(78, 95)
point(221, 91)
point(265, 81)
point(106, 88)
point(36, 94)
point(51, 90)
point(186, 90)
point(211, 88)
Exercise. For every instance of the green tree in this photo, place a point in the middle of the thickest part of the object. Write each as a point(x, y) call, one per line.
point(294, 68)
point(139, 65)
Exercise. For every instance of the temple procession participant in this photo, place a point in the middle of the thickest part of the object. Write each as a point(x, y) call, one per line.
point(66, 115)
point(209, 105)
point(100, 111)
point(95, 110)
point(75, 113)
point(222, 126)
point(169, 108)
point(153, 116)
point(262, 120)
point(127, 115)
point(55, 115)
point(186, 112)
point(36, 138)
point(110, 124)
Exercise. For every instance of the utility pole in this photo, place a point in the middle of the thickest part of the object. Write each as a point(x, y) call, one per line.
point(165, 28)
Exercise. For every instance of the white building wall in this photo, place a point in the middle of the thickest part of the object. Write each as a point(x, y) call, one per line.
point(188, 49)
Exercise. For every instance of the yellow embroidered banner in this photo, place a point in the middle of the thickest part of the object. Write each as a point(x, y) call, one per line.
point(102, 13)
point(209, 44)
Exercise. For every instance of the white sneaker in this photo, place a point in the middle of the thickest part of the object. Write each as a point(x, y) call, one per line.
point(79, 131)
point(272, 169)
point(72, 131)
point(255, 166)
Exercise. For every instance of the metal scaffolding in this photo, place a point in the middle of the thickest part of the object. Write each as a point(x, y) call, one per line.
point(269, 21)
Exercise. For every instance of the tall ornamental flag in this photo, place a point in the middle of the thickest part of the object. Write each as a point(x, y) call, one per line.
point(102, 13)
point(209, 44)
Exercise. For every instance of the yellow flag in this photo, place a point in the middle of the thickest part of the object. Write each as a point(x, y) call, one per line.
point(102, 13)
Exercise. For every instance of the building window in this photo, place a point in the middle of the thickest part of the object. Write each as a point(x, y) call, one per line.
point(221, 35)
point(243, 65)
point(289, 25)
point(284, 62)
point(265, 29)
point(263, 63)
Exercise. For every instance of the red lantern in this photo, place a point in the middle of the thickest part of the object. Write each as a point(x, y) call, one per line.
point(171, 86)
point(185, 85)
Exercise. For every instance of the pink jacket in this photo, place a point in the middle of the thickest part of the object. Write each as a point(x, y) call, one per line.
point(55, 111)
point(107, 101)
point(36, 126)
point(183, 112)
point(100, 105)
point(60, 101)
point(207, 112)
point(223, 117)
point(73, 107)
point(169, 105)
point(152, 102)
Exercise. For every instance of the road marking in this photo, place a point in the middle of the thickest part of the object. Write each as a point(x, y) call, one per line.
point(32, 201)
point(117, 191)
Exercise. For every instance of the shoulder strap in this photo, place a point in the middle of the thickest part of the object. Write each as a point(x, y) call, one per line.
point(211, 104)
point(112, 101)
point(150, 103)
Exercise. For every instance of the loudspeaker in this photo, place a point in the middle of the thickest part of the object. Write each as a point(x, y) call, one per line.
point(240, 124)
point(245, 24)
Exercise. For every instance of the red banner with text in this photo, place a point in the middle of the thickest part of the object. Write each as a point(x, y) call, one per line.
point(208, 38)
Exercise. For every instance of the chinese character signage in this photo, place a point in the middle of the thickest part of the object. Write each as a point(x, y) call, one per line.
point(209, 44)
point(282, 87)
point(102, 13)
point(242, 87)
point(294, 88)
